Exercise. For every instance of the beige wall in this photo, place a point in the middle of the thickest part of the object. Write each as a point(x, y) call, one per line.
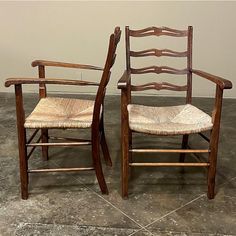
point(78, 32)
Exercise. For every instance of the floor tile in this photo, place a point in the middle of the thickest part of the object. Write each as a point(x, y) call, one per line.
point(69, 205)
point(61, 204)
point(57, 230)
point(203, 216)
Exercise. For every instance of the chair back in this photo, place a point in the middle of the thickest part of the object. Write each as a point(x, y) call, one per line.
point(162, 31)
point(110, 60)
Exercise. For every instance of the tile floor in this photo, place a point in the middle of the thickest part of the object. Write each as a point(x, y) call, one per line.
point(162, 201)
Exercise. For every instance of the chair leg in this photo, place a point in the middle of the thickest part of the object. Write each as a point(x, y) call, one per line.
point(212, 167)
point(20, 115)
point(23, 163)
point(125, 160)
point(44, 133)
point(211, 176)
point(98, 166)
point(130, 146)
point(184, 146)
point(104, 146)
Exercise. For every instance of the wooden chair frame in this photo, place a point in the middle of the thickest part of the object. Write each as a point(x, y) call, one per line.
point(97, 128)
point(126, 87)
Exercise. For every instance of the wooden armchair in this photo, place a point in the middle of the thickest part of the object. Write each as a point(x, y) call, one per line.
point(63, 113)
point(171, 120)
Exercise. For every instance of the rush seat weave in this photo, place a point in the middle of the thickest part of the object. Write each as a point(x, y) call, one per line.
point(54, 112)
point(171, 120)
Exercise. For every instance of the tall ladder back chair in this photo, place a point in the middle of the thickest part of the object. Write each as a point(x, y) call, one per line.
point(171, 120)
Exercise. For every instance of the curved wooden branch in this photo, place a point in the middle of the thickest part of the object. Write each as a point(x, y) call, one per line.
point(64, 64)
point(159, 70)
point(158, 86)
point(17, 81)
point(158, 53)
point(158, 31)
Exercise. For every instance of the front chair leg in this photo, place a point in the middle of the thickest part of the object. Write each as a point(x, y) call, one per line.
point(97, 165)
point(20, 115)
point(125, 159)
point(212, 161)
point(44, 133)
point(211, 175)
point(104, 146)
point(184, 146)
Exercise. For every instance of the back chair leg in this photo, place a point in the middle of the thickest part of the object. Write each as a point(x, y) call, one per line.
point(184, 146)
point(98, 166)
point(104, 146)
point(23, 162)
point(130, 146)
point(44, 133)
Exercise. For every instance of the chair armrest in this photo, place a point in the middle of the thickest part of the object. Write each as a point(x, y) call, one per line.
point(63, 64)
point(223, 83)
point(19, 81)
point(124, 80)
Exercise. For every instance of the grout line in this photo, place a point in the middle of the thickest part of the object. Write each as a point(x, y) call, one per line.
point(195, 199)
point(160, 218)
point(110, 204)
point(227, 181)
point(169, 213)
point(94, 192)
point(140, 231)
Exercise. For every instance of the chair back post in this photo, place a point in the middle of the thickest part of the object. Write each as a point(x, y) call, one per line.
point(189, 65)
point(127, 48)
point(42, 87)
point(111, 55)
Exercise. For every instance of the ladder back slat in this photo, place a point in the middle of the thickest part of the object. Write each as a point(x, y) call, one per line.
point(158, 31)
point(158, 53)
point(159, 70)
point(158, 86)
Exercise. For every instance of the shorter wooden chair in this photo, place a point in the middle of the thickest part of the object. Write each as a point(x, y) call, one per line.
point(181, 120)
point(63, 113)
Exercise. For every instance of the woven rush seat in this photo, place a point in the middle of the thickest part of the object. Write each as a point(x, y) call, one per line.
point(53, 112)
point(174, 120)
